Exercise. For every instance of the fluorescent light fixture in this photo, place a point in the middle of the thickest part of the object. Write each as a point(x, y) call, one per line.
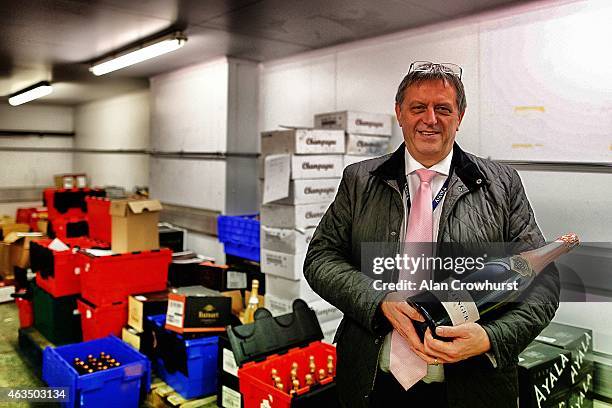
point(30, 93)
point(144, 52)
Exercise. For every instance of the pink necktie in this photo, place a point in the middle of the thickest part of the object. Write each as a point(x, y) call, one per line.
point(407, 367)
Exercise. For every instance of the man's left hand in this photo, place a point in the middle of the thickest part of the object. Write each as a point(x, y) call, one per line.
point(468, 340)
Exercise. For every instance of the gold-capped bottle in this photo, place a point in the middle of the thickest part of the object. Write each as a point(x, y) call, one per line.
point(253, 303)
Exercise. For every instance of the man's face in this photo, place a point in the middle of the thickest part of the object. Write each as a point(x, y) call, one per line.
point(429, 118)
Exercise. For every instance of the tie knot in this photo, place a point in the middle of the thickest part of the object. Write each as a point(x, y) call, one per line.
point(426, 175)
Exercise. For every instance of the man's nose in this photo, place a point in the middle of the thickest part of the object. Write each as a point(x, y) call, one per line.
point(429, 118)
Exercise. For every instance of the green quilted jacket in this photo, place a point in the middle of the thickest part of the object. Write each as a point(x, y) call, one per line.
point(485, 202)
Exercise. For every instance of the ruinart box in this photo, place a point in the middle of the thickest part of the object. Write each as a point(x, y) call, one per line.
point(544, 375)
point(302, 141)
point(577, 340)
point(198, 309)
point(287, 240)
point(292, 216)
point(364, 145)
point(134, 225)
point(355, 122)
point(146, 304)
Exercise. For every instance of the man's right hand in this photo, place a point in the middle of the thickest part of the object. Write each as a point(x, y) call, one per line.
point(400, 314)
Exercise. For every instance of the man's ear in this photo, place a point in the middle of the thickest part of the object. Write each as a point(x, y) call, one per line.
point(398, 112)
point(460, 119)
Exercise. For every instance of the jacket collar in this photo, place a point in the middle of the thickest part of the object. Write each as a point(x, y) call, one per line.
point(394, 168)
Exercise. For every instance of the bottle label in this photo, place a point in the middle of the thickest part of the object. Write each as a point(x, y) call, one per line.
point(463, 310)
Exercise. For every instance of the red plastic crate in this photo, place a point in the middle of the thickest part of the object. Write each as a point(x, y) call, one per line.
point(26, 312)
point(75, 208)
point(24, 214)
point(59, 273)
point(256, 385)
point(73, 227)
point(100, 321)
point(110, 279)
point(99, 218)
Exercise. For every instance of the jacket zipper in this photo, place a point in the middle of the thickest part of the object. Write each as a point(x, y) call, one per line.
point(399, 240)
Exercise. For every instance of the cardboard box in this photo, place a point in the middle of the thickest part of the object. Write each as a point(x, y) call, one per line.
point(222, 277)
point(355, 122)
point(6, 269)
point(310, 191)
point(580, 395)
point(134, 225)
point(20, 247)
point(577, 340)
point(78, 180)
point(288, 266)
point(289, 289)
point(311, 166)
point(146, 304)
point(132, 337)
point(6, 229)
point(302, 141)
point(195, 309)
point(362, 145)
point(544, 375)
point(289, 241)
point(292, 216)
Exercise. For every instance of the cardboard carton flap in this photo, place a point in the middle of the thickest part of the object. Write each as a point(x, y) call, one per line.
point(141, 206)
point(16, 236)
point(120, 208)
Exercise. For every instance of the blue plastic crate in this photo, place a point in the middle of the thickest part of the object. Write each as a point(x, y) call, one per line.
point(202, 355)
point(249, 252)
point(116, 387)
point(239, 229)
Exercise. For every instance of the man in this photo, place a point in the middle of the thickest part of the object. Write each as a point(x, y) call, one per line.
point(484, 202)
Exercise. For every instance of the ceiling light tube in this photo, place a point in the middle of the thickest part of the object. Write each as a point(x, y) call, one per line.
point(144, 52)
point(30, 93)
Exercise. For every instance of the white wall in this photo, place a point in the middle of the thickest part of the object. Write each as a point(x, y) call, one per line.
point(121, 122)
point(364, 76)
point(206, 108)
point(34, 169)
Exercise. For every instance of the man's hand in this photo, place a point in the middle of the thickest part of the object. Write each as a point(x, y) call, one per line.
point(399, 313)
point(469, 339)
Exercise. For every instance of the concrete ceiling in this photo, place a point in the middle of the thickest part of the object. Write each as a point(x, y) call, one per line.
point(56, 40)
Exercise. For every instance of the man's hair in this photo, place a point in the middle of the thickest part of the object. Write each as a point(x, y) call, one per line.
point(434, 72)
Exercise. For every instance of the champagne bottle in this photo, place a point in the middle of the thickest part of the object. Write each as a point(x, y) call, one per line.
point(253, 303)
point(453, 307)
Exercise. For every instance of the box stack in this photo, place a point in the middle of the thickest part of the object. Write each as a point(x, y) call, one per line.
point(579, 342)
point(544, 376)
point(302, 169)
point(140, 307)
point(367, 134)
point(135, 264)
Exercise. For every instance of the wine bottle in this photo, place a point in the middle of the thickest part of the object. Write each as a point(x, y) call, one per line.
point(453, 307)
point(253, 303)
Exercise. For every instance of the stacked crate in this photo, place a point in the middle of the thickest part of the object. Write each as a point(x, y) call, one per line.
point(367, 134)
point(310, 162)
point(67, 211)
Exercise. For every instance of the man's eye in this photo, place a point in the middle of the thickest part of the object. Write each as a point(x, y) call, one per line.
point(417, 109)
point(444, 110)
